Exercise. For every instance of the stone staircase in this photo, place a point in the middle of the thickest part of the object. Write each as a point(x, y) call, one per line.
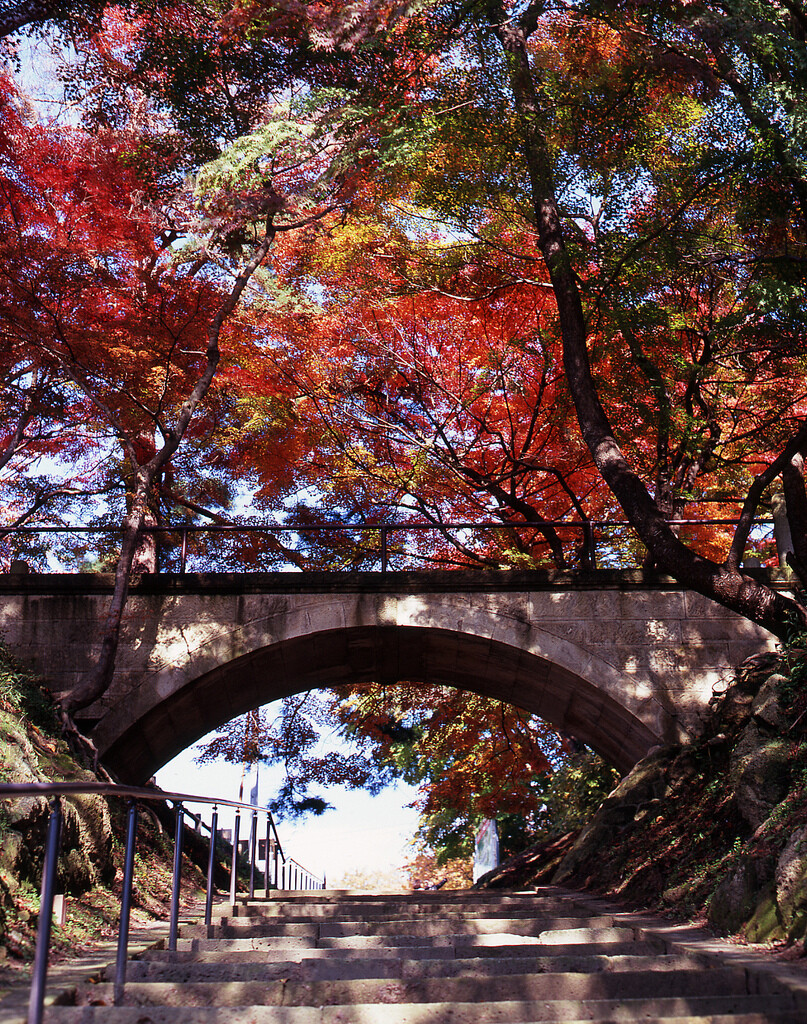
point(442, 958)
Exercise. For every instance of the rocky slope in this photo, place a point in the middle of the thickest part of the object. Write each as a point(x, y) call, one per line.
point(716, 828)
point(91, 862)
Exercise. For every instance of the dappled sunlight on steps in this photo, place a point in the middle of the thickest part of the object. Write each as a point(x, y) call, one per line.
point(446, 958)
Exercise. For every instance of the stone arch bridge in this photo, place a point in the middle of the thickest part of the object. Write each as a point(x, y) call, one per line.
point(622, 662)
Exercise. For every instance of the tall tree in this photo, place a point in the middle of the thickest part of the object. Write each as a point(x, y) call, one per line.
point(637, 144)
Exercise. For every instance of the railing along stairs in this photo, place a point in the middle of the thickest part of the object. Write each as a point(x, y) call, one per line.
point(280, 871)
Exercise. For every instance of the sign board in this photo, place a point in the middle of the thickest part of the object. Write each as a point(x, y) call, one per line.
point(486, 848)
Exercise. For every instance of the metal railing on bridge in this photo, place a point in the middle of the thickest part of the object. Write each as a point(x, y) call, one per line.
point(284, 872)
point(384, 547)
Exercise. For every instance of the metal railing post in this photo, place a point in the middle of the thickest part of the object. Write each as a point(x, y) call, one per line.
point(40, 971)
point(234, 872)
point(283, 865)
point(253, 849)
point(384, 558)
point(177, 877)
point(183, 558)
point(211, 865)
point(126, 903)
point(268, 852)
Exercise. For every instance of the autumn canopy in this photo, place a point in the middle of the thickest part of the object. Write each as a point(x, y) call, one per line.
point(539, 265)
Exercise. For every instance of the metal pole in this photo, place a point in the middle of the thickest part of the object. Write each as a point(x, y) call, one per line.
point(211, 865)
point(183, 558)
point(126, 903)
point(383, 549)
point(37, 998)
point(268, 851)
point(277, 868)
point(253, 849)
point(177, 879)
point(588, 530)
point(234, 872)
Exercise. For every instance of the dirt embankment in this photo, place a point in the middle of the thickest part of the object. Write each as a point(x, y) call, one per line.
point(90, 869)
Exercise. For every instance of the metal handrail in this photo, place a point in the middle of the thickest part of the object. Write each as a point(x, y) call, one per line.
point(56, 790)
point(384, 530)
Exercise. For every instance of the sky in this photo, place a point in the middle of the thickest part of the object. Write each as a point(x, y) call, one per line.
point(371, 835)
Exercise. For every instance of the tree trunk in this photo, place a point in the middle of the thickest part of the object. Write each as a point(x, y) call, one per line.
point(99, 680)
point(723, 583)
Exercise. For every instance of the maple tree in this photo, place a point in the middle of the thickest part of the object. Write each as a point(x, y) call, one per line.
point(529, 262)
point(639, 159)
point(471, 757)
point(120, 277)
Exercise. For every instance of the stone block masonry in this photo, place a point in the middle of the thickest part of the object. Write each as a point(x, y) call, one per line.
point(621, 661)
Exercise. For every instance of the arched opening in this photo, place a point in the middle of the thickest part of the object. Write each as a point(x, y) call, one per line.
point(386, 654)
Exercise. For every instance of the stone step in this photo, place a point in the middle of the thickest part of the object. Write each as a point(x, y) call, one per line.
point(562, 936)
point(434, 1013)
point(443, 897)
point(480, 926)
point(682, 985)
point(441, 959)
point(247, 927)
point(299, 915)
point(569, 936)
point(271, 909)
point(227, 954)
point(692, 1010)
point(401, 969)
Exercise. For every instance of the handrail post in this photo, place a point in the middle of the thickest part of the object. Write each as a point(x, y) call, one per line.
point(211, 865)
point(183, 558)
point(177, 877)
point(277, 868)
point(126, 903)
point(253, 849)
point(40, 972)
point(234, 871)
point(268, 851)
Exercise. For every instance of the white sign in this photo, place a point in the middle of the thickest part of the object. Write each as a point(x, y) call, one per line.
point(486, 848)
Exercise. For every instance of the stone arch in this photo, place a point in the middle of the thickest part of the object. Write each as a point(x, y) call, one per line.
point(382, 653)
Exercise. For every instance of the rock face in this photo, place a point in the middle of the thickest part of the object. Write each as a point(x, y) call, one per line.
point(30, 752)
point(640, 793)
point(735, 899)
point(87, 839)
point(791, 884)
point(719, 824)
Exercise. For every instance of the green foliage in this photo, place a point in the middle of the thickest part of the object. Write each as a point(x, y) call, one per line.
point(575, 791)
point(23, 694)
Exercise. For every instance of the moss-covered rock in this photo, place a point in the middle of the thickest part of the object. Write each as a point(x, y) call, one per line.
point(764, 924)
point(760, 773)
point(736, 897)
point(791, 885)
